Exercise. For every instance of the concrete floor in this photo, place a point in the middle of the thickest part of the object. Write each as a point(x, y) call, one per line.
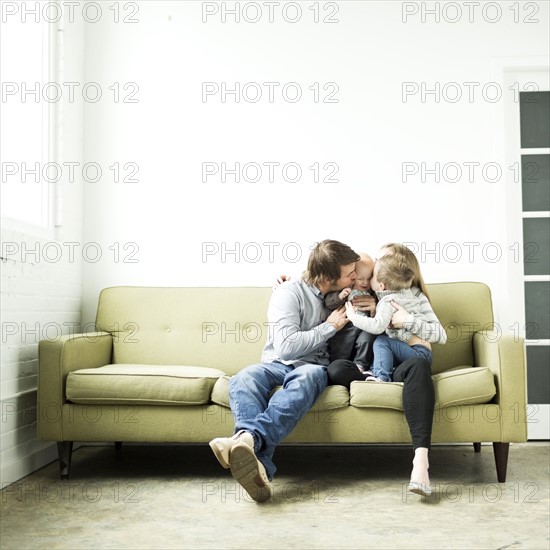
point(324, 497)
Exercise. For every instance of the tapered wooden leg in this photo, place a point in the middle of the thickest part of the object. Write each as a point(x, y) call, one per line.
point(501, 459)
point(477, 447)
point(118, 445)
point(65, 451)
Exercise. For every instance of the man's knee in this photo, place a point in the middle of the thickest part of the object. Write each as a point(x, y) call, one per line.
point(246, 379)
point(244, 393)
point(314, 377)
point(317, 376)
point(242, 377)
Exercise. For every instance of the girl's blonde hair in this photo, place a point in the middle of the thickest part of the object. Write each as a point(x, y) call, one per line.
point(394, 272)
point(407, 256)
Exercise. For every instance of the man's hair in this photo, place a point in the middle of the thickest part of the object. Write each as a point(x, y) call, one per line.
point(326, 260)
point(395, 272)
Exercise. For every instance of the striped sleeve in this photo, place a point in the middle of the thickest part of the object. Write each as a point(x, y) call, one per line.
point(425, 324)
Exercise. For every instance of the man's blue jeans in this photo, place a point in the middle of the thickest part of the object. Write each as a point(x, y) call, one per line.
point(390, 352)
point(270, 418)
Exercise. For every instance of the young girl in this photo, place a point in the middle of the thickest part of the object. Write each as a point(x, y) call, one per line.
point(432, 329)
point(391, 281)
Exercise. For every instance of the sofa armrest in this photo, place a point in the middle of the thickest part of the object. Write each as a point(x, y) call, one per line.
point(56, 359)
point(505, 357)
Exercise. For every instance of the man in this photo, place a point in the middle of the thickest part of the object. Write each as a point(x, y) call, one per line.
point(295, 357)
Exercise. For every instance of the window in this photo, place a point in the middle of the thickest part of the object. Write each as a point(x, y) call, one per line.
point(525, 207)
point(535, 182)
point(24, 132)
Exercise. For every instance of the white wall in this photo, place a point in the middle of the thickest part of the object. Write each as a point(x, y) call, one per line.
point(164, 229)
point(170, 214)
point(41, 294)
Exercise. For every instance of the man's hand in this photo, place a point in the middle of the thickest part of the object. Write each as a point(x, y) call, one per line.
point(338, 318)
point(400, 316)
point(365, 303)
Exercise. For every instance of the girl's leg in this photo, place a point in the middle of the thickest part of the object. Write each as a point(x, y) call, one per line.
point(382, 365)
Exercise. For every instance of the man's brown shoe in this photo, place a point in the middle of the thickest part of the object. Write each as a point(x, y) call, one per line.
point(221, 446)
point(249, 472)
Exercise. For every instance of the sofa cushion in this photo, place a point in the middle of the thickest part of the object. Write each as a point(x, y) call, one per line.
point(333, 397)
point(464, 386)
point(142, 384)
point(460, 386)
point(379, 395)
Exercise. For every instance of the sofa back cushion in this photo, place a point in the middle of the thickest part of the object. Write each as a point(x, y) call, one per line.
point(226, 328)
point(462, 309)
point(222, 328)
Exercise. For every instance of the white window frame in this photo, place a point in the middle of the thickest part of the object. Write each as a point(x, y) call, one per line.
point(50, 193)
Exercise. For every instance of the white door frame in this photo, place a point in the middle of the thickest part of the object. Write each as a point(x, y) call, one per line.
point(516, 74)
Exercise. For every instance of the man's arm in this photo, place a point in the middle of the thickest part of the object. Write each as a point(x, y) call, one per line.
point(289, 340)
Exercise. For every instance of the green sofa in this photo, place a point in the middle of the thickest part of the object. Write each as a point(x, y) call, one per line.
point(158, 370)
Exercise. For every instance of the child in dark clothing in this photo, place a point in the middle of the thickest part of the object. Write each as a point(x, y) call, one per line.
point(350, 342)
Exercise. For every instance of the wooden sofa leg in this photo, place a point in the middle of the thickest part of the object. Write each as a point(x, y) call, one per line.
point(65, 451)
point(501, 459)
point(477, 447)
point(118, 445)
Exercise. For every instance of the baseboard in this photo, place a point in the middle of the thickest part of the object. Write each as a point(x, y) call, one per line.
point(538, 423)
point(14, 471)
